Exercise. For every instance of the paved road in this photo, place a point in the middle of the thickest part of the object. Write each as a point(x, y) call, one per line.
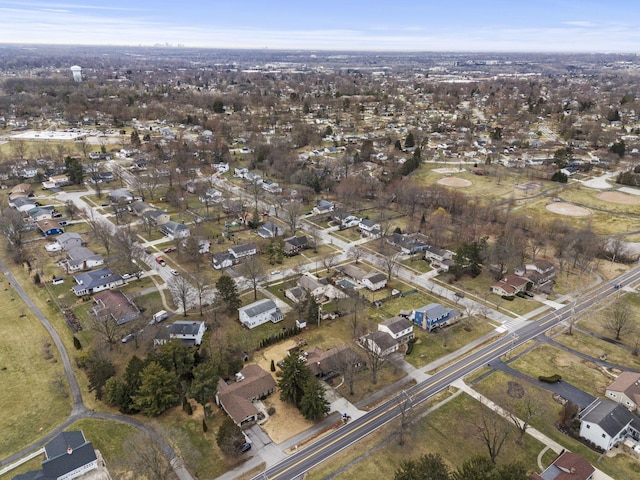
point(78, 410)
point(296, 465)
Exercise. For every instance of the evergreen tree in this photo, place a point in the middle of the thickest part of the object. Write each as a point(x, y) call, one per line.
point(273, 366)
point(229, 437)
point(398, 145)
point(313, 310)
point(76, 343)
point(205, 383)
point(99, 370)
point(313, 405)
point(409, 142)
point(74, 170)
point(428, 467)
point(158, 390)
point(228, 292)
point(218, 106)
point(292, 379)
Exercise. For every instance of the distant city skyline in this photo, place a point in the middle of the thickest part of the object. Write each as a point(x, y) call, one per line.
point(402, 25)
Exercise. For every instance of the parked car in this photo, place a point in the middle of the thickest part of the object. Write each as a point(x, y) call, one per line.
point(528, 294)
point(127, 338)
point(169, 249)
point(246, 446)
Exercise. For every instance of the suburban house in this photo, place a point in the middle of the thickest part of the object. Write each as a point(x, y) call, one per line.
point(68, 455)
point(344, 219)
point(369, 228)
point(81, 258)
point(95, 281)
point(605, 424)
point(29, 172)
point(293, 245)
point(49, 227)
point(271, 186)
point(321, 290)
point(240, 172)
point(371, 280)
point(41, 213)
point(260, 312)
point(222, 167)
point(233, 256)
point(433, 316)
point(270, 230)
point(326, 363)
point(539, 272)
point(56, 181)
point(175, 230)
point(437, 255)
point(236, 397)
point(390, 336)
point(189, 333)
point(22, 204)
point(567, 466)
point(323, 206)
point(408, 244)
point(511, 285)
point(157, 218)
point(296, 294)
point(66, 241)
point(22, 189)
point(625, 390)
point(211, 195)
point(138, 208)
point(120, 195)
point(115, 304)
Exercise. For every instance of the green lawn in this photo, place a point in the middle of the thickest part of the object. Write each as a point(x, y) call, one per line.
point(35, 397)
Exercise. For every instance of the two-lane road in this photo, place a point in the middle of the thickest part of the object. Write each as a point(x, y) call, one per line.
point(302, 461)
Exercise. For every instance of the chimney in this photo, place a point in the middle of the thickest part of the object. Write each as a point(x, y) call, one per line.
point(69, 449)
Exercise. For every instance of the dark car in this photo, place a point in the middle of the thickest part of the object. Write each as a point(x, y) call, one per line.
point(459, 295)
point(246, 446)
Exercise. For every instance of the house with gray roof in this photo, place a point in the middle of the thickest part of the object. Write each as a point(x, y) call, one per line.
point(139, 207)
point(156, 217)
point(81, 258)
point(188, 332)
point(433, 316)
point(175, 230)
point(22, 204)
point(260, 312)
point(606, 424)
point(270, 230)
point(392, 334)
point(95, 281)
point(69, 455)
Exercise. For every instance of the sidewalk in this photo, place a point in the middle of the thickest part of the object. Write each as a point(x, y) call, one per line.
point(541, 437)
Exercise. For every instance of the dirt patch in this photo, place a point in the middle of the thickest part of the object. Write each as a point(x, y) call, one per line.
point(287, 421)
point(618, 197)
point(515, 390)
point(455, 182)
point(569, 209)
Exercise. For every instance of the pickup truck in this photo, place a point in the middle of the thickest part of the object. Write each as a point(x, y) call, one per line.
point(160, 261)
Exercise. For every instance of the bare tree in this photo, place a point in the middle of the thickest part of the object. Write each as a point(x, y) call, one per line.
point(147, 458)
point(125, 243)
point(12, 226)
point(253, 269)
point(350, 364)
point(404, 403)
point(620, 321)
point(491, 429)
point(181, 290)
point(375, 363)
point(356, 253)
point(521, 411)
point(390, 262)
point(291, 212)
point(328, 261)
point(106, 327)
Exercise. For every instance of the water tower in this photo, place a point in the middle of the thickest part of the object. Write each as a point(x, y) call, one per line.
point(77, 73)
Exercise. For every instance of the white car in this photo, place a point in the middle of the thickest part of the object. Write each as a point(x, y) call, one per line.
point(174, 272)
point(276, 272)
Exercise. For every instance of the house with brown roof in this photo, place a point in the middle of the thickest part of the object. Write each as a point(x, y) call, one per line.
point(510, 285)
point(115, 304)
point(568, 466)
point(324, 363)
point(625, 390)
point(237, 397)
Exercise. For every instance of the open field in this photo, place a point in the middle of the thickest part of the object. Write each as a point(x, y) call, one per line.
point(35, 398)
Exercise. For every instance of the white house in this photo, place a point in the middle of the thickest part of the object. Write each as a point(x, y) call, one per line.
point(260, 312)
point(323, 206)
point(175, 230)
point(369, 227)
point(81, 258)
point(391, 335)
point(222, 167)
point(95, 281)
point(374, 281)
point(605, 424)
point(68, 455)
point(188, 332)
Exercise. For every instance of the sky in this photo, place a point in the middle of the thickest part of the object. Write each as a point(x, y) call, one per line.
point(398, 25)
